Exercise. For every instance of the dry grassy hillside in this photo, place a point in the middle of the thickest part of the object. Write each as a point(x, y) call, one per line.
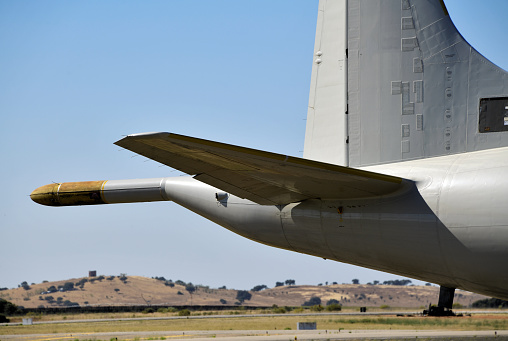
point(135, 290)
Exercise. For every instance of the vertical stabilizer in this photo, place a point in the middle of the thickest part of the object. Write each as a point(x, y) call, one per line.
point(415, 88)
point(326, 131)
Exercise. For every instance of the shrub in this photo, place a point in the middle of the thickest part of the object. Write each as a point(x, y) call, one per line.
point(179, 293)
point(184, 312)
point(223, 301)
point(384, 306)
point(3, 318)
point(117, 290)
point(333, 307)
point(318, 307)
point(148, 311)
point(278, 310)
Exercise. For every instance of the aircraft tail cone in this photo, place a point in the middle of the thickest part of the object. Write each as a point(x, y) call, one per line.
point(70, 194)
point(100, 192)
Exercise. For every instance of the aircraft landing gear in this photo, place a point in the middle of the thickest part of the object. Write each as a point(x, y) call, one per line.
point(444, 307)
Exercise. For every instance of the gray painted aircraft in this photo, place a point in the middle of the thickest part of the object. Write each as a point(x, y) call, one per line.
point(405, 158)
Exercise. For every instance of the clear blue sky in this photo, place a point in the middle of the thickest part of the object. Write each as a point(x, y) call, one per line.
point(75, 76)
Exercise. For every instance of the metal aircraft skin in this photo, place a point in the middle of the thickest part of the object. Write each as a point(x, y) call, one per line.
point(405, 159)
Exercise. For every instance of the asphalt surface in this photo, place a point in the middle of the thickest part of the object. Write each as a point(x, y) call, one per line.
point(282, 335)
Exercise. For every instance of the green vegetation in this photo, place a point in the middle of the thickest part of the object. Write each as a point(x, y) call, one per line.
point(243, 295)
point(81, 282)
point(190, 288)
point(398, 282)
point(24, 285)
point(67, 286)
point(333, 307)
point(490, 303)
point(7, 308)
point(313, 301)
point(290, 282)
point(317, 307)
point(332, 301)
point(184, 312)
point(259, 288)
point(123, 278)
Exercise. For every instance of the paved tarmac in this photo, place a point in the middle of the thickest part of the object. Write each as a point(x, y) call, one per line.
point(390, 313)
point(282, 335)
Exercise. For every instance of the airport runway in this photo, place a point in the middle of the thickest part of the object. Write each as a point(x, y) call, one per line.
point(282, 335)
point(391, 313)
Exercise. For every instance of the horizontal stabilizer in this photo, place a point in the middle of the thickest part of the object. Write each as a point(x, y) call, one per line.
point(262, 177)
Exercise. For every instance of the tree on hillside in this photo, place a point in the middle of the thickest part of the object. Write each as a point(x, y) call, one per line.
point(243, 295)
point(279, 284)
point(397, 282)
point(312, 301)
point(68, 286)
point(487, 303)
point(332, 301)
point(259, 287)
point(24, 285)
point(190, 288)
point(290, 282)
point(355, 281)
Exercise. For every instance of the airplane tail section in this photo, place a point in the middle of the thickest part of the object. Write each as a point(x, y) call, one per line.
point(394, 80)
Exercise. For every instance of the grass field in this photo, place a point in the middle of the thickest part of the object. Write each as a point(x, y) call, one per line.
point(282, 322)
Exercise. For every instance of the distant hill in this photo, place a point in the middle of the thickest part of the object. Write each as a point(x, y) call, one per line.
point(136, 290)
